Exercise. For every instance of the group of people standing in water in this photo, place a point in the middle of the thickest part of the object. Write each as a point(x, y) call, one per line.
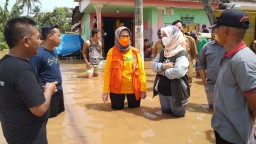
point(27, 87)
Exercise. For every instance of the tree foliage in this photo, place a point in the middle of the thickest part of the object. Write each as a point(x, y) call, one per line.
point(59, 16)
point(16, 10)
point(28, 4)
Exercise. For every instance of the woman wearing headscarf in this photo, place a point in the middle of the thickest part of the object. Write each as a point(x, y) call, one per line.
point(171, 65)
point(124, 74)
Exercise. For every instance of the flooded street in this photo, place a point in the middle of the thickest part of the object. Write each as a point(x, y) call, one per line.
point(87, 120)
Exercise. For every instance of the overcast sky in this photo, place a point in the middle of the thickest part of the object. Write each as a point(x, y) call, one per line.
point(48, 5)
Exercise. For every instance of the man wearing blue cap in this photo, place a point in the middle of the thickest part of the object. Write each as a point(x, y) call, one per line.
point(234, 108)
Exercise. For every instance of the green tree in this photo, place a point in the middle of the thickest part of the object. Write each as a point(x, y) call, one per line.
point(60, 17)
point(28, 4)
point(37, 14)
point(5, 16)
point(36, 10)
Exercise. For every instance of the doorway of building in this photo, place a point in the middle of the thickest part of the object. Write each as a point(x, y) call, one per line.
point(109, 26)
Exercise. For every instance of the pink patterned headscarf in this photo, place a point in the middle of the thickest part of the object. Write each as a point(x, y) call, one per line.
point(177, 41)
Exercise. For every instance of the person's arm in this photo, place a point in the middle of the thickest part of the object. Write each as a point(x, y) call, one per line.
point(156, 65)
point(245, 75)
point(50, 89)
point(154, 50)
point(159, 67)
point(179, 70)
point(193, 48)
point(201, 65)
point(31, 93)
point(107, 75)
point(202, 75)
point(101, 47)
point(85, 47)
point(251, 100)
point(142, 75)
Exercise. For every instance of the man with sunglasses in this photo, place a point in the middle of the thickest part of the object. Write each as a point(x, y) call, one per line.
point(46, 65)
point(234, 106)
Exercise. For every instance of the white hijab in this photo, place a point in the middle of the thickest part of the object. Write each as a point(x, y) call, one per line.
point(177, 42)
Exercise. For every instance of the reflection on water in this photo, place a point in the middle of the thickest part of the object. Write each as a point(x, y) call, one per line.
point(149, 115)
point(87, 120)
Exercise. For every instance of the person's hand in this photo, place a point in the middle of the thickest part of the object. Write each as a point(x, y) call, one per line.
point(51, 87)
point(105, 97)
point(143, 95)
point(89, 65)
point(204, 82)
point(168, 65)
point(160, 73)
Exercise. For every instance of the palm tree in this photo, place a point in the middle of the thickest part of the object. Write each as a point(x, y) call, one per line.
point(36, 10)
point(6, 14)
point(28, 4)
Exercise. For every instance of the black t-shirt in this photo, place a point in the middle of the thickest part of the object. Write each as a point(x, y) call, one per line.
point(20, 90)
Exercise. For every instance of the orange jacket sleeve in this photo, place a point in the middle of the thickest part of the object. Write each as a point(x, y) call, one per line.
point(107, 72)
point(142, 75)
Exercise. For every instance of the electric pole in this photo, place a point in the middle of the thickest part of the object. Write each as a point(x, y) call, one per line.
point(139, 27)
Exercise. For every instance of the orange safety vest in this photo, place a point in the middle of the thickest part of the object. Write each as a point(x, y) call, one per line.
point(117, 71)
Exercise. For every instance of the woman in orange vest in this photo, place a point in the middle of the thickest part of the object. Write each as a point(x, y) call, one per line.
point(124, 74)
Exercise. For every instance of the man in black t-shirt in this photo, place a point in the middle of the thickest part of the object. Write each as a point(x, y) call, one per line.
point(23, 103)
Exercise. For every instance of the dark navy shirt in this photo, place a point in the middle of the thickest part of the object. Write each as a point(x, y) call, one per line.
point(46, 65)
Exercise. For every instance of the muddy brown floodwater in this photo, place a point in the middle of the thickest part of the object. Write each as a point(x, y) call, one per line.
point(87, 120)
